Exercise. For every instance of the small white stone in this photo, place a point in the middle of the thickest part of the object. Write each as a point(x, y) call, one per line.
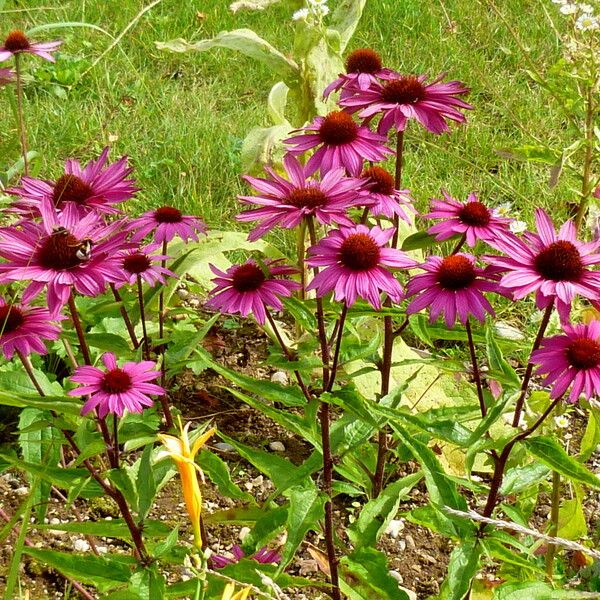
point(280, 377)
point(276, 447)
point(244, 531)
point(194, 302)
point(224, 447)
point(81, 546)
point(183, 293)
point(409, 593)
point(54, 521)
point(102, 549)
point(22, 491)
point(395, 527)
point(397, 576)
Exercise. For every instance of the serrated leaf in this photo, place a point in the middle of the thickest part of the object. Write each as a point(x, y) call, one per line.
point(306, 508)
point(244, 41)
point(364, 575)
point(376, 515)
point(218, 472)
point(551, 453)
point(463, 566)
point(103, 572)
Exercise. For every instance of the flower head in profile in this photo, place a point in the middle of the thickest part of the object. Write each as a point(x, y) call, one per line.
point(165, 223)
point(409, 97)
point(339, 142)
point(182, 451)
point(571, 360)
point(263, 556)
point(24, 328)
point(116, 389)
point(95, 187)
point(472, 219)
point(453, 286)
point(363, 68)
point(17, 42)
point(287, 201)
point(251, 288)
point(142, 262)
point(6, 76)
point(354, 263)
point(378, 187)
point(62, 252)
point(556, 266)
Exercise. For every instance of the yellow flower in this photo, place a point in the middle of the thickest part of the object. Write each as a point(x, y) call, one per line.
point(229, 593)
point(184, 455)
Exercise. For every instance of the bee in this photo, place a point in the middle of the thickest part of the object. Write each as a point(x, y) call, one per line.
point(84, 249)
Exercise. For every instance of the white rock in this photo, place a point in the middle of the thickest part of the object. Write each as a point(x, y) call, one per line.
point(244, 531)
point(395, 527)
point(102, 549)
point(224, 447)
point(194, 302)
point(276, 447)
point(397, 576)
point(81, 546)
point(409, 593)
point(22, 491)
point(280, 377)
point(183, 293)
point(54, 521)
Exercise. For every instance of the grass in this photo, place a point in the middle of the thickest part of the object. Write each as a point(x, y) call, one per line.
point(181, 118)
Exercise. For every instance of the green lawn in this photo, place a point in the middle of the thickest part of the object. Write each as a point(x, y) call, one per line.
point(181, 117)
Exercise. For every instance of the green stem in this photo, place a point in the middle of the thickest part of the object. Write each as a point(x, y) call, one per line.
point(145, 345)
point(126, 319)
point(551, 552)
point(20, 112)
point(79, 330)
point(164, 400)
point(476, 375)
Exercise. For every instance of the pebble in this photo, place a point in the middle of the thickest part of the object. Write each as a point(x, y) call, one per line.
point(22, 491)
point(81, 546)
point(276, 447)
point(280, 377)
point(183, 293)
point(397, 576)
point(395, 527)
point(224, 447)
point(194, 302)
point(102, 549)
point(409, 593)
point(244, 531)
point(410, 541)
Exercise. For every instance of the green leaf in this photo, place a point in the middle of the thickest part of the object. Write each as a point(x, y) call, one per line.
point(263, 146)
point(530, 153)
point(301, 312)
point(102, 572)
point(365, 576)
point(591, 436)
point(149, 583)
point(463, 566)
point(518, 479)
point(41, 447)
point(61, 478)
point(287, 395)
point(376, 515)
point(276, 103)
point(501, 370)
point(418, 241)
point(218, 472)
point(166, 546)
point(496, 549)
point(551, 453)
point(60, 404)
point(534, 590)
point(146, 484)
point(265, 529)
point(121, 477)
point(108, 342)
point(114, 528)
point(307, 506)
point(244, 41)
point(345, 19)
point(572, 524)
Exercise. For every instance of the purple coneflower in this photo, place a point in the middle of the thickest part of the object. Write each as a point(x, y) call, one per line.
point(341, 143)
point(409, 97)
point(387, 201)
point(555, 266)
point(286, 202)
point(250, 288)
point(573, 358)
point(24, 328)
point(62, 252)
point(263, 556)
point(165, 223)
point(453, 286)
point(356, 263)
point(471, 218)
point(16, 42)
point(141, 262)
point(6, 76)
point(117, 389)
point(363, 68)
point(96, 186)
